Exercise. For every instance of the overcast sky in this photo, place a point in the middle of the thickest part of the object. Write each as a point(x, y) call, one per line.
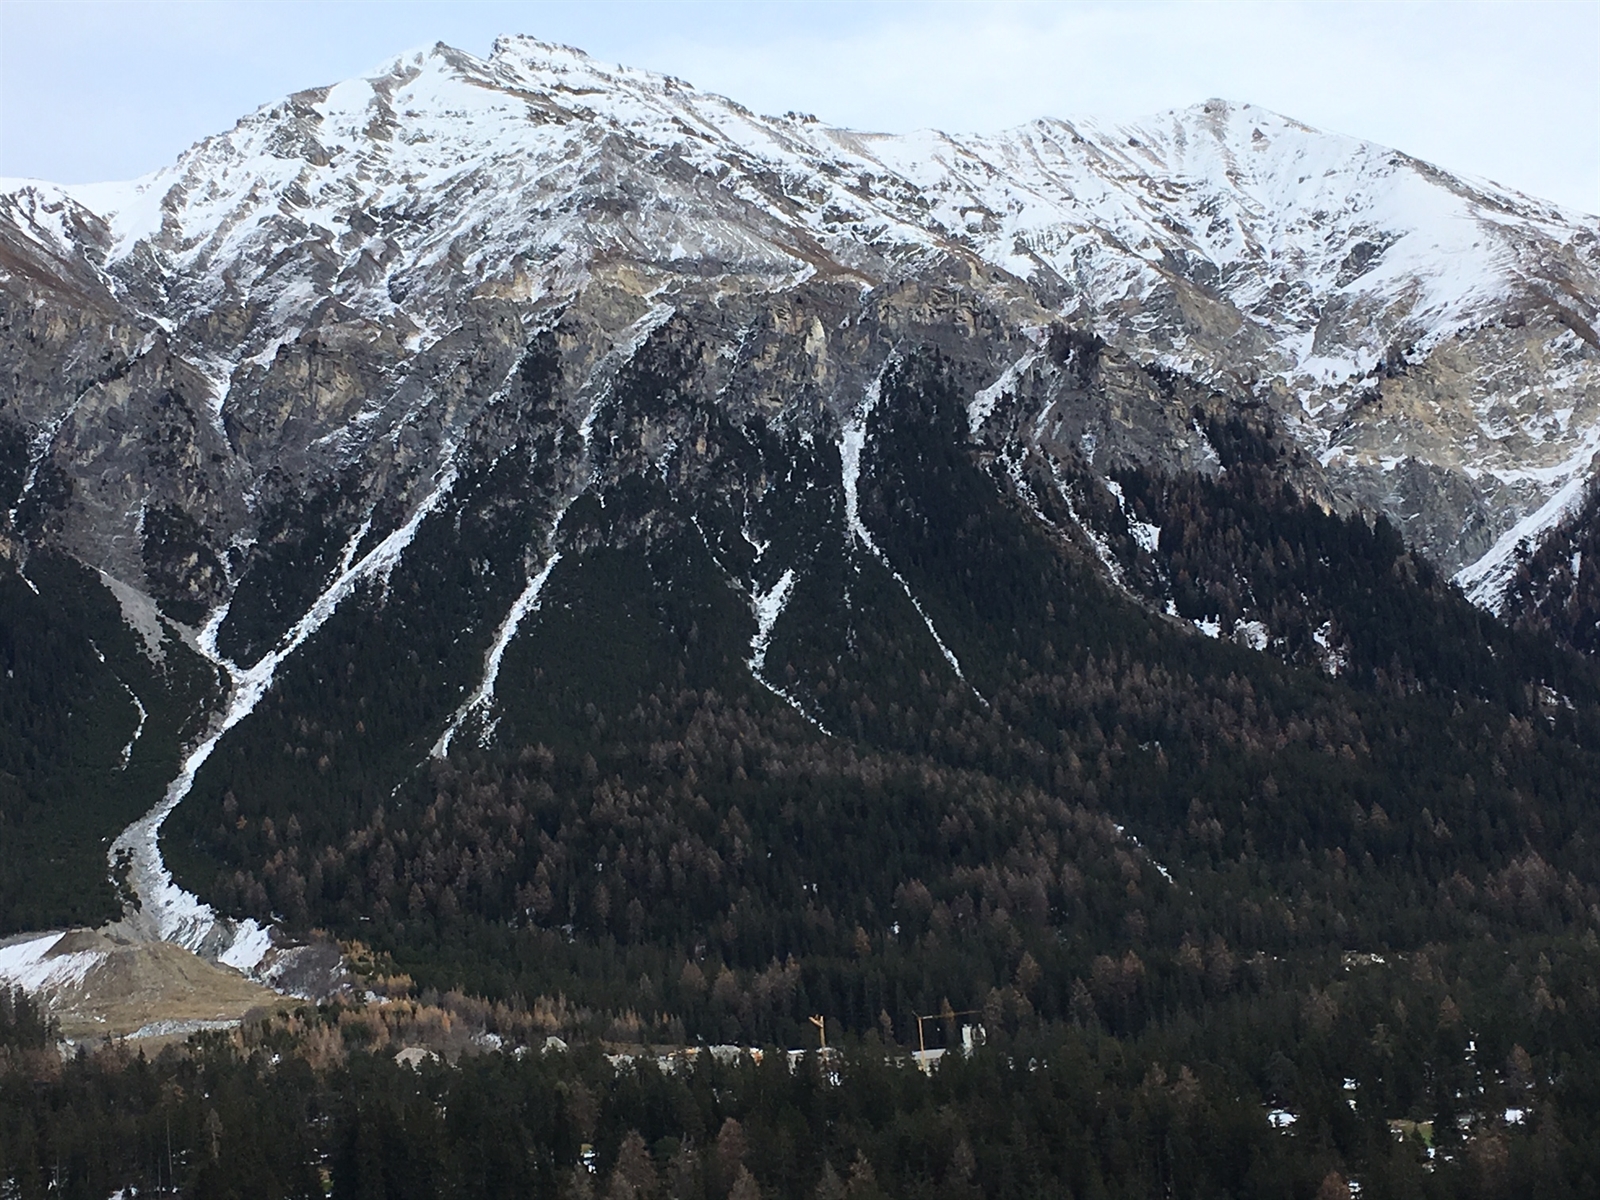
point(92, 91)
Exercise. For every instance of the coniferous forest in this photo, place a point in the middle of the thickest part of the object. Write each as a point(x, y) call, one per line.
point(1308, 919)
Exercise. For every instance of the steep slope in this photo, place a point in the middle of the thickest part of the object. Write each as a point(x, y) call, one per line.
point(1427, 340)
point(538, 453)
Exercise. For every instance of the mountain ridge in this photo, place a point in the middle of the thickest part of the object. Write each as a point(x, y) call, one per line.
point(509, 455)
point(1109, 225)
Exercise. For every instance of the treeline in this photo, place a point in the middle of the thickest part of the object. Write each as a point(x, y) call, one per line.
point(316, 1104)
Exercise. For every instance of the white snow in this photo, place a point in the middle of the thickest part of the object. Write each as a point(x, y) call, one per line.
point(1334, 659)
point(638, 333)
point(494, 176)
point(480, 702)
point(768, 606)
point(29, 965)
point(38, 450)
point(1101, 548)
point(493, 170)
point(496, 149)
point(1486, 579)
point(127, 751)
point(983, 402)
point(1144, 533)
point(852, 440)
point(1253, 634)
point(1122, 832)
point(482, 698)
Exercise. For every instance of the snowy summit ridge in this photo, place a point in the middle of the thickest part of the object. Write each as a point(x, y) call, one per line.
point(1198, 238)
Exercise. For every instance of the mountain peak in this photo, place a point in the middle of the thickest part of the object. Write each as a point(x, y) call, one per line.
point(524, 51)
point(1195, 239)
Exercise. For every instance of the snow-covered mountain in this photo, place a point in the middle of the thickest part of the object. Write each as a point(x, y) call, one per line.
point(1427, 339)
point(240, 387)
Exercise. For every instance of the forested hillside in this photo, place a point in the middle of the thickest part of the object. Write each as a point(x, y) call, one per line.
point(973, 775)
point(529, 567)
point(1111, 829)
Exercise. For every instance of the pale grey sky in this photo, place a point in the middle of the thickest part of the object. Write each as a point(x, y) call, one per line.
point(107, 90)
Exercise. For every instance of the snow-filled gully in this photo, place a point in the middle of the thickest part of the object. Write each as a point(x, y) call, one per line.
point(138, 730)
point(165, 911)
point(852, 440)
point(1485, 580)
point(481, 700)
point(768, 606)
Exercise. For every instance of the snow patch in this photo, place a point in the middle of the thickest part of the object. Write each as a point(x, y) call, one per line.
point(1334, 660)
point(983, 402)
point(127, 751)
point(28, 964)
point(768, 606)
point(1144, 533)
point(248, 947)
point(482, 698)
point(38, 450)
point(1485, 581)
point(638, 333)
point(481, 701)
point(1101, 548)
point(1253, 634)
point(1133, 841)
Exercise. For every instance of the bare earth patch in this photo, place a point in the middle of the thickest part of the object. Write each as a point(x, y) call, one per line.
point(101, 986)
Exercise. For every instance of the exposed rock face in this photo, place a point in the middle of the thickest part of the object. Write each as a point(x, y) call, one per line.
point(496, 291)
point(345, 279)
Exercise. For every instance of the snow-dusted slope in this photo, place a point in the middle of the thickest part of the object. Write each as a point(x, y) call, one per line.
point(1222, 240)
point(440, 167)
